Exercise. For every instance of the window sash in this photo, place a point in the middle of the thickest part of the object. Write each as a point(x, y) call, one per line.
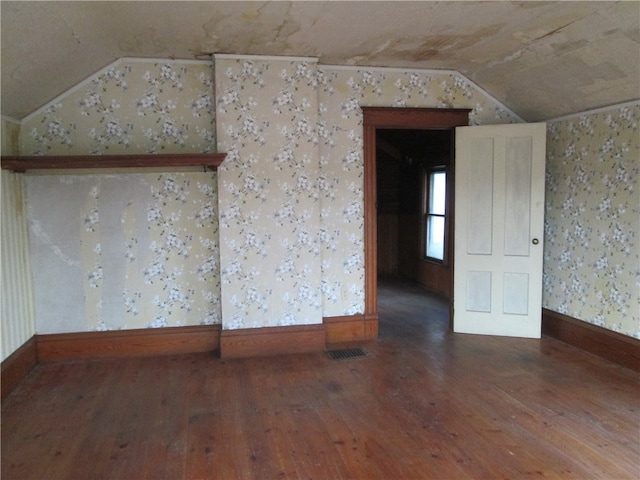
point(435, 236)
point(437, 192)
point(435, 219)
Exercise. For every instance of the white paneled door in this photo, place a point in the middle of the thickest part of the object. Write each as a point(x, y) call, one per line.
point(499, 216)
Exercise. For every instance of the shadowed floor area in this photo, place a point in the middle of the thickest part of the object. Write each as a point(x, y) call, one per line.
point(423, 403)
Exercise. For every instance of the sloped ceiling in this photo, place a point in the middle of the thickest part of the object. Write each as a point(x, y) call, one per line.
point(541, 59)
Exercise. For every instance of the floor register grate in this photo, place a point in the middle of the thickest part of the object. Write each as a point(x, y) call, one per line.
point(346, 353)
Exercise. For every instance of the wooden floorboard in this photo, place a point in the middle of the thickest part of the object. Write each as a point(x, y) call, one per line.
point(423, 404)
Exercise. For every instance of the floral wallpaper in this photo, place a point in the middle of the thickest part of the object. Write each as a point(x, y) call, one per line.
point(268, 192)
point(291, 188)
point(592, 220)
point(132, 106)
point(144, 249)
point(135, 250)
point(341, 93)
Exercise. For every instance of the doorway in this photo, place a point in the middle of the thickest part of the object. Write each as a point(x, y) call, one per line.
point(413, 170)
point(385, 118)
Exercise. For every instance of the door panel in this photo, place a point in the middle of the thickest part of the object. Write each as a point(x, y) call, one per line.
point(499, 213)
point(516, 293)
point(517, 196)
point(480, 191)
point(479, 291)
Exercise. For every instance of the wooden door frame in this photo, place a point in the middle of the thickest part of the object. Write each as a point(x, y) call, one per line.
point(381, 118)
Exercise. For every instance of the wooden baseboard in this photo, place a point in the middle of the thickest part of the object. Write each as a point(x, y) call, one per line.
point(177, 340)
point(351, 328)
point(17, 365)
point(127, 343)
point(613, 346)
point(256, 342)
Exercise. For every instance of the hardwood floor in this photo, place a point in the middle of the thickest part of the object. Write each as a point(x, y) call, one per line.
point(423, 404)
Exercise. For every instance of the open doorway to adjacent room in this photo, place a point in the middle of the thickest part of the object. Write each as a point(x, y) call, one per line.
point(406, 151)
point(413, 180)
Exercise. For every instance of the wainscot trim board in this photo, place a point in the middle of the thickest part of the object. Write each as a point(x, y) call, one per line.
point(17, 365)
point(127, 343)
point(257, 342)
point(605, 343)
point(351, 328)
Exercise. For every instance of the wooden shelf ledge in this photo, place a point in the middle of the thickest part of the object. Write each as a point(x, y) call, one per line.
point(22, 164)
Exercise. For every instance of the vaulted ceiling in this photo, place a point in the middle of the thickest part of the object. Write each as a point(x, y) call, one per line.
point(541, 59)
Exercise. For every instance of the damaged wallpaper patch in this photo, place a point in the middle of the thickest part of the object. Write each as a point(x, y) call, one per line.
point(131, 251)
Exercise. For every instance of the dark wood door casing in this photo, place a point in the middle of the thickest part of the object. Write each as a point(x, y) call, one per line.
point(389, 117)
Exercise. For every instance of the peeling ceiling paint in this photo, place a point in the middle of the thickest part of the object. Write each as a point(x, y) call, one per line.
point(541, 59)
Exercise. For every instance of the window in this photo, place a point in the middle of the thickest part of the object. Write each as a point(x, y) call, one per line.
point(435, 213)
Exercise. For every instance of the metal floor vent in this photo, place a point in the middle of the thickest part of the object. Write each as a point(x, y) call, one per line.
point(346, 353)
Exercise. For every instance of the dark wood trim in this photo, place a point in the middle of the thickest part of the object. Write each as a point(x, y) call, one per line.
point(389, 117)
point(415, 118)
point(127, 343)
point(370, 220)
point(17, 365)
point(371, 325)
point(350, 328)
point(24, 163)
point(613, 346)
point(256, 342)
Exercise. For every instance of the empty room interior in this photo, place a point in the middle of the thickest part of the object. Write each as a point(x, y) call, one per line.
point(327, 240)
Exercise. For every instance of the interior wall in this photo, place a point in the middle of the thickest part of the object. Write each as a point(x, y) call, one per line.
point(16, 300)
point(136, 249)
point(267, 112)
point(16, 295)
point(592, 218)
point(280, 117)
point(398, 214)
point(143, 106)
point(388, 190)
point(296, 170)
point(409, 220)
point(131, 106)
point(342, 91)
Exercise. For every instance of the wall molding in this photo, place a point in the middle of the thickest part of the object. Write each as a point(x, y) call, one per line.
point(256, 342)
point(9, 119)
point(243, 343)
point(251, 342)
point(605, 343)
point(263, 58)
point(127, 343)
point(17, 365)
point(607, 108)
point(351, 328)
